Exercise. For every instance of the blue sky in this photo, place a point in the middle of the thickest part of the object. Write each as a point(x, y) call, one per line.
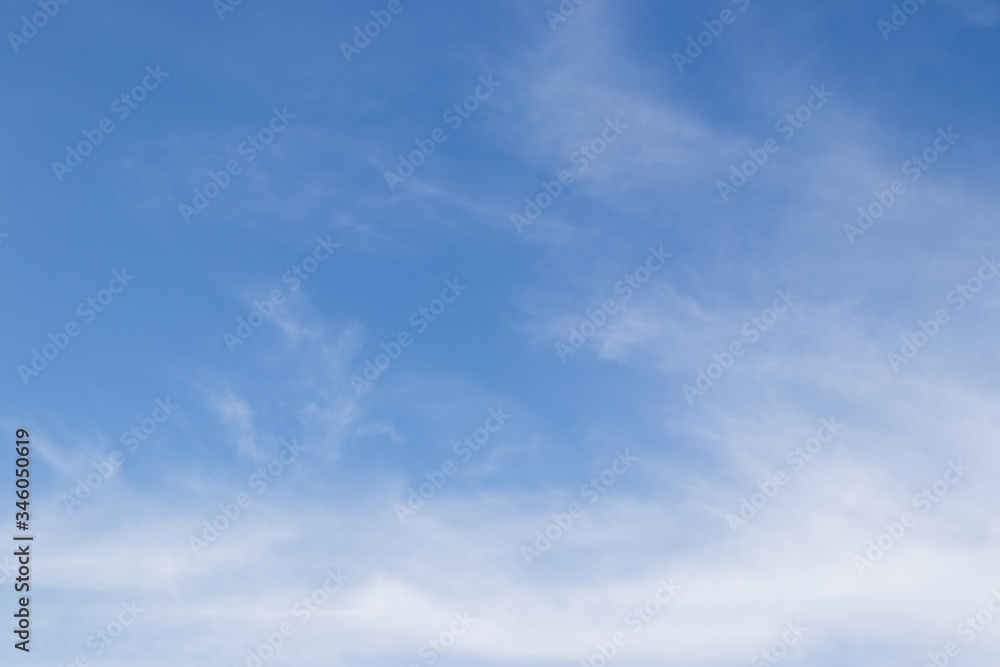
point(629, 369)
